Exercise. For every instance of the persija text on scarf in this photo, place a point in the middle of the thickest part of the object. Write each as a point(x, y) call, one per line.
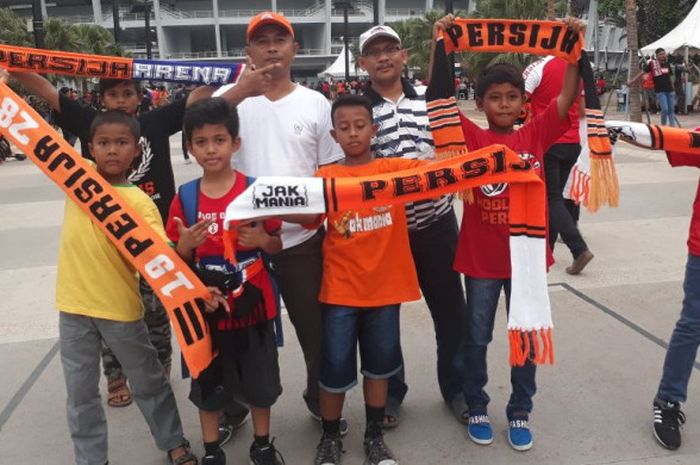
point(177, 286)
point(530, 321)
point(23, 59)
point(593, 179)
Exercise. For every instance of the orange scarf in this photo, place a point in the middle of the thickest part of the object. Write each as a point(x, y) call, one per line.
point(529, 321)
point(177, 287)
point(513, 35)
point(25, 59)
point(594, 179)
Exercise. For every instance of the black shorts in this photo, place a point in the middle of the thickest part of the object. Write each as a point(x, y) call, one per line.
point(246, 368)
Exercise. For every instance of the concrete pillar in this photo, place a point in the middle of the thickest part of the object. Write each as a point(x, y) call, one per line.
point(429, 5)
point(163, 49)
point(44, 12)
point(327, 28)
point(217, 27)
point(382, 11)
point(97, 11)
point(274, 6)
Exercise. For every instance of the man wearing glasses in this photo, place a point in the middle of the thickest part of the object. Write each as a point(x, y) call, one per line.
point(401, 115)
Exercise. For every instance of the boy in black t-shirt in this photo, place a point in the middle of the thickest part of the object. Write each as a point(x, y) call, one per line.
point(152, 172)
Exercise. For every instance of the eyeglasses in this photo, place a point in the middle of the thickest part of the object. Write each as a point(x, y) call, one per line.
point(376, 53)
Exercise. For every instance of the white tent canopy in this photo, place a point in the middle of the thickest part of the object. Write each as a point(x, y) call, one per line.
point(682, 36)
point(337, 69)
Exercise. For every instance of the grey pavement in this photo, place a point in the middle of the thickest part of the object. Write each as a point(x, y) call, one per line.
point(592, 407)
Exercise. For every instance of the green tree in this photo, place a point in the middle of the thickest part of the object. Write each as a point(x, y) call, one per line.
point(13, 28)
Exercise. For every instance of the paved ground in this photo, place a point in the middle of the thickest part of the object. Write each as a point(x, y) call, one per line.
point(593, 406)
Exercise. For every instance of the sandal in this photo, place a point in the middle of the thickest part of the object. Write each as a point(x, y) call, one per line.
point(186, 458)
point(118, 393)
point(391, 414)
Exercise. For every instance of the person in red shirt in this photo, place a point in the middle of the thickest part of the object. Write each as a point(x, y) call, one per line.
point(247, 365)
point(483, 251)
point(683, 347)
point(543, 82)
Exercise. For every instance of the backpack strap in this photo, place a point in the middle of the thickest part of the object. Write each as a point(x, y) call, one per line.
point(189, 199)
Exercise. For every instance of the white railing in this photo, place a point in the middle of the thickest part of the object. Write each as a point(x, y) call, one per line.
point(404, 12)
point(235, 53)
point(248, 13)
point(310, 11)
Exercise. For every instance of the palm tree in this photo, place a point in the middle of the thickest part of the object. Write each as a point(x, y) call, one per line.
point(13, 29)
point(633, 46)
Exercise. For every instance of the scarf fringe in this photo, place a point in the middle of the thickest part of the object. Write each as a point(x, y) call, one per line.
point(535, 345)
point(604, 186)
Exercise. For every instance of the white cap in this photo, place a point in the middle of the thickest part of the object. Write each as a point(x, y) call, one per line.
point(375, 32)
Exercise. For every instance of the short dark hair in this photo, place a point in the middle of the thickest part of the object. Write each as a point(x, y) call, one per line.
point(211, 111)
point(116, 117)
point(351, 101)
point(501, 73)
point(660, 49)
point(106, 84)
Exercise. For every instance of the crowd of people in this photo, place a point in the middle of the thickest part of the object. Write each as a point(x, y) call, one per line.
point(342, 283)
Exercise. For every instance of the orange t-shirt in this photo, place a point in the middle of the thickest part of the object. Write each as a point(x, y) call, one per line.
point(367, 259)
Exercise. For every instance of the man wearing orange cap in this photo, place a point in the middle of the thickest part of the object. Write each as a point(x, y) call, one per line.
point(285, 131)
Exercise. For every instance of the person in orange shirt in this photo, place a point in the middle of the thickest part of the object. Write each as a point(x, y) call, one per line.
point(361, 250)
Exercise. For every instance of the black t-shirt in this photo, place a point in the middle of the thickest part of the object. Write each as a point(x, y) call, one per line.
point(153, 172)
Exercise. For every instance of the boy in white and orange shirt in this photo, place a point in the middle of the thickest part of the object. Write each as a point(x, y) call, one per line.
point(361, 249)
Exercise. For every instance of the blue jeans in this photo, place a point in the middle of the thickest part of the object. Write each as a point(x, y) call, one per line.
point(433, 250)
point(667, 104)
point(685, 339)
point(482, 303)
point(377, 330)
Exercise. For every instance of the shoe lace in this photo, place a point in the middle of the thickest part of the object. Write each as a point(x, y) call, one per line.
point(329, 449)
point(267, 455)
point(672, 417)
point(377, 450)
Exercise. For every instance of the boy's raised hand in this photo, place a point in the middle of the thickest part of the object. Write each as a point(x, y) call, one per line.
point(442, 24)
point(571, 85)
point(575, 24)
point(192, 237)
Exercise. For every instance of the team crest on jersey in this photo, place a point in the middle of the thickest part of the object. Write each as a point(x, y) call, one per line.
point(494, 190)
point(273, 196)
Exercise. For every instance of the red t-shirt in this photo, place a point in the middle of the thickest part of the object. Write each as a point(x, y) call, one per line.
point(483, 249)
point(211, 252)
point(683, 159)
point(543, 82)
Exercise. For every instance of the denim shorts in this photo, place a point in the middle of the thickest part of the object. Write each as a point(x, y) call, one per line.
point(376, 328)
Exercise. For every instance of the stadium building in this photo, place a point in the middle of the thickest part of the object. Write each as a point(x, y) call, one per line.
point(215, 29)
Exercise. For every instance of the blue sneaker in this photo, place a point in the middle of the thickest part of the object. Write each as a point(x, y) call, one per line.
point(479, 429)
point(519, 435)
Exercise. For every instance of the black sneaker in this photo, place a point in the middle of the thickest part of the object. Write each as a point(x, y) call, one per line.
point(215, 459)
point(229, 425)
point(265, 455)
point(668, 419)
point(343, 423)
point(329, 451)
point(377, 452)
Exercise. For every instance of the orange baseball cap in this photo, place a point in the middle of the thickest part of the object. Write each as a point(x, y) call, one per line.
point(265, 18)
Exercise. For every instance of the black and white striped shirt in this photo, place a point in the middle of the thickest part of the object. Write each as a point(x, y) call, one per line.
point(404, 131)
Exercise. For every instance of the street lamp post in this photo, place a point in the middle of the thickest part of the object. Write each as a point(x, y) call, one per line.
point(115, 20)
point(38, 24)
point(147, 14)
point(345, 6)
